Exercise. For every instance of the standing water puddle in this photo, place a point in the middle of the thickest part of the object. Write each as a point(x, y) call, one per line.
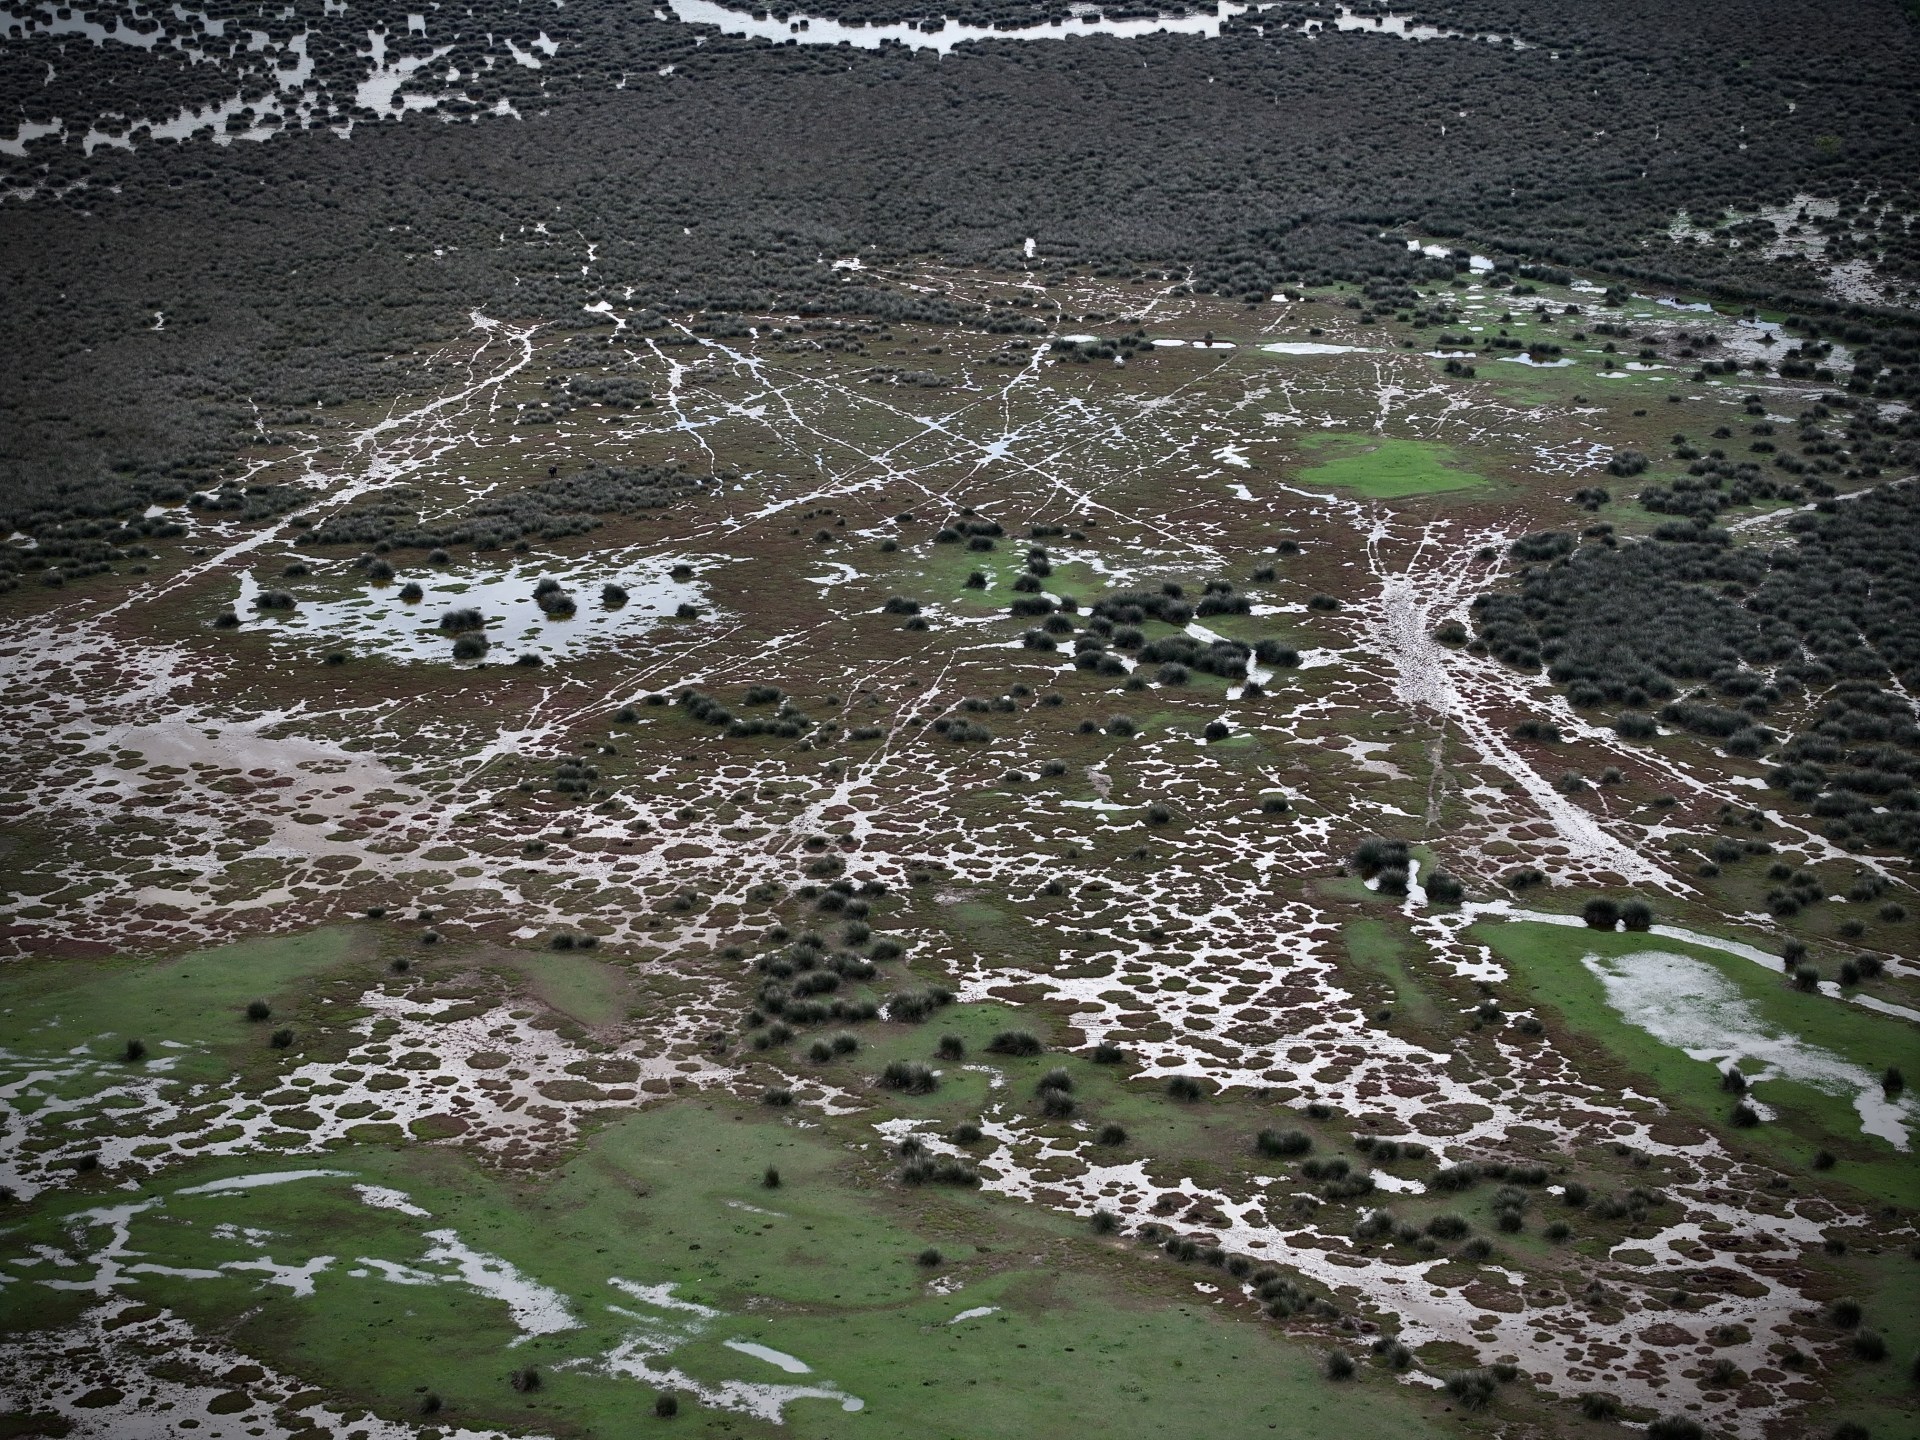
point(1689, 1005)
point(809, 30)
point(377, 621)
point(109, 1250)
point(778, 1358)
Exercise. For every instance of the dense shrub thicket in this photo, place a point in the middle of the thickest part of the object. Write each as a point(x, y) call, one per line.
point(549, 510)
point(1805, 653)
point(730, 182)
point(1838, 436)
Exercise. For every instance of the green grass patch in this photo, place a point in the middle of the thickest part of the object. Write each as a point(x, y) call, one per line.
point(1385, 469)
point(1548, 960)
point(1881, 1392)
point(593, 992)
point(656, 1254)
point(198, 1000)
point(1379, 948)
point(942, 576)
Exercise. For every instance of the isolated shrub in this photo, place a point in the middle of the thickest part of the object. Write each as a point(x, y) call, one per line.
point(945, 1170)
point(1869, 1344)
point(1598, 1405)
point(1015, 1042)
point(1283, 1143)
point(1375, 854)
point(1186, 1087)
point(666, 1405)
point(1456, 1177)
point(914, 1006)
point(1471, 1389)
point(909, 1076)
point(1393, 1355)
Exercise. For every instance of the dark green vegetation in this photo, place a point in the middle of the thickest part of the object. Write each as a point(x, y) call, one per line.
point(1785, 654)
point(1313, 147)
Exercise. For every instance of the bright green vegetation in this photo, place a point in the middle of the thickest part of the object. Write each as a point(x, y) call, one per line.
point(1385, 469)
point(1882, 1394)
point(590, 991)
point(198, 1000)
point(1548, 961)
point(1375, 946)
point(665, 1216)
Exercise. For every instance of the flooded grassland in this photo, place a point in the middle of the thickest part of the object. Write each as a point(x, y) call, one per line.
point(892, 905)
